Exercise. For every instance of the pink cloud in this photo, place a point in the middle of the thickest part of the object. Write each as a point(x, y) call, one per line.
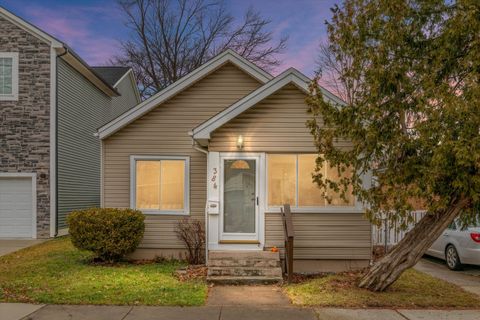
point(59, 26)
point(99, 52)
point(302, 58)
point(77, 27)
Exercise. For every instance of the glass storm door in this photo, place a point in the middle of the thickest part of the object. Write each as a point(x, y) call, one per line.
point(239, 198)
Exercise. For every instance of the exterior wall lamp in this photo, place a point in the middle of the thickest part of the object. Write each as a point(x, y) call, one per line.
point(240, 142)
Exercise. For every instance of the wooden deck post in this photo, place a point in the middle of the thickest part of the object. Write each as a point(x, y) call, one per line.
point(289, 236)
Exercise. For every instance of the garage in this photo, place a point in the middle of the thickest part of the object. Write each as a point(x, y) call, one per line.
point(17, 206)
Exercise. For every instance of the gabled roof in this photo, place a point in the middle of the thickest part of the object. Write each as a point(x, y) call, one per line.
point(228, 56)
point(116, 74)
point(290, 76)
point(55, 43)
point(62, 50)
point(111, 74)
point(74, 60)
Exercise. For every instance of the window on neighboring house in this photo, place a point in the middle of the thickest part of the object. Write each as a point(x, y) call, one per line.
point(8, 76)
point(290, 181)
point(160, 184)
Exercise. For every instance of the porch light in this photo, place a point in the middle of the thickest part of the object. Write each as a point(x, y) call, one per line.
point(240, 142)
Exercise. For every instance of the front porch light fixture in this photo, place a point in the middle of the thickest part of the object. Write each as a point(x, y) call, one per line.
point(240, 142)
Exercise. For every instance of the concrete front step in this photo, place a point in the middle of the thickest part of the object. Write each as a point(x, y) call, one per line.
point(244, 267)
point(245, 271)
point(258, 263)
point(244, 280)
point(234, 255)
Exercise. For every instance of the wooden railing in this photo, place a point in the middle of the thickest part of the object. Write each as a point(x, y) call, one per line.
point(289, 235)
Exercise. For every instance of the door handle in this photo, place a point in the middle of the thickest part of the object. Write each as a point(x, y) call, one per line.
point(257, 201)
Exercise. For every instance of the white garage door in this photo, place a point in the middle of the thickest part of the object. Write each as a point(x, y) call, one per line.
point(16, 207)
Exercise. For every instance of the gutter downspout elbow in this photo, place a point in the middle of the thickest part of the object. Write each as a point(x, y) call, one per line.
point(198, 148)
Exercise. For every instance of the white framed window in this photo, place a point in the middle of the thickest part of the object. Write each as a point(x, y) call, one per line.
point(160, 184)
point(289, 180)
point(9, 76)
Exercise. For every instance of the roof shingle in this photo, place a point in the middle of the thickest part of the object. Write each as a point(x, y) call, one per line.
point(111, 74)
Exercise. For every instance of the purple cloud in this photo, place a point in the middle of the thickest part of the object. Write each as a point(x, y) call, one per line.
point(92, 28)
point(302, 20)
point(86, 28)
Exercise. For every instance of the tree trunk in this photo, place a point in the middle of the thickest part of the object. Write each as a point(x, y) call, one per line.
point(411, 248)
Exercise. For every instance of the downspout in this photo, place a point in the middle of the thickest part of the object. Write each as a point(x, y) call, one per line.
point(205, 151)
point(199, 148)
point(56, 139)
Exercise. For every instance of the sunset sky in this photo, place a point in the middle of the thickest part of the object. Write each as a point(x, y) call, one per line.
point(94, 28)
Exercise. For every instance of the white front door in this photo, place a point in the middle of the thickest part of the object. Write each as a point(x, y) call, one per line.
point(239, 198)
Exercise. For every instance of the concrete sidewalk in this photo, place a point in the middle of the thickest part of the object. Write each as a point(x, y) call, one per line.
point(11, 245)
point(17, 311)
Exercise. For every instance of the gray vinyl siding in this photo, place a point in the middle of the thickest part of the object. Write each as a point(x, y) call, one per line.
point(81, 110)
point(125, 101)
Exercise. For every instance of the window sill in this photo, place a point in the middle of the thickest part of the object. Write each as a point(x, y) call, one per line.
point(164, 213)
point(8, 97)
point(330, 209)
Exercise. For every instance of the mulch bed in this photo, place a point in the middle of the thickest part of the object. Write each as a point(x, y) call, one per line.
point(194, 272)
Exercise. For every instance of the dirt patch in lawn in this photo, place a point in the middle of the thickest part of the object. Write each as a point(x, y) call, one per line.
point(414, 289)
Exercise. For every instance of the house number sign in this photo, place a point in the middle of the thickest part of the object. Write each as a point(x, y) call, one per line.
point(214, 178)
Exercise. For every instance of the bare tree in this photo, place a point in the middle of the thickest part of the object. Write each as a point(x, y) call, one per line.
point(172, 38)
point(330, 66)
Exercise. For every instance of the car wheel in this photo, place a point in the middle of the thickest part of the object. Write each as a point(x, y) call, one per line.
point(452, 258)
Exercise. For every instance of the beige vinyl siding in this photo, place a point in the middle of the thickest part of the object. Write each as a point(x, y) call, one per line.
point(278, 125)
point(164, 131)
point(323, 235)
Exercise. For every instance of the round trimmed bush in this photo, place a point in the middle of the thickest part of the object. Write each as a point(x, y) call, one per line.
point(108, 232)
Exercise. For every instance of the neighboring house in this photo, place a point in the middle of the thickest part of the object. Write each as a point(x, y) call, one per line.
point(227, 144)
point(51, 102)
point(123, 80)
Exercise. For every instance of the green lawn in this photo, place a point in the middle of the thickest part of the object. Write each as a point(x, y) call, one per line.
point(414, 289)
point(56, 272)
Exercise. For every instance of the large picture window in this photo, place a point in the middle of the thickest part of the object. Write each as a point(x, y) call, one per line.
point(8, 76)
point(160, 184)
point(290, 181)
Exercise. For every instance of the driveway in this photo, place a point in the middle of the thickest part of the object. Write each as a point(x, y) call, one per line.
point(10, 245)
point(468, 279)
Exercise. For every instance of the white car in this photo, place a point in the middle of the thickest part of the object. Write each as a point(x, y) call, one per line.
point(458, 246)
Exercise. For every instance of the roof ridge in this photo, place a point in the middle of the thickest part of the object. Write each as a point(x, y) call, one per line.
point(288, 76)
point(111, 67)
point(180, 85)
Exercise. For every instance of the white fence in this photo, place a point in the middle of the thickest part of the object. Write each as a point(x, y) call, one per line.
point(394, 234)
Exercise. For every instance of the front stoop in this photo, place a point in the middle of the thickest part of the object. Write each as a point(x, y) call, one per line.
point(244, 267)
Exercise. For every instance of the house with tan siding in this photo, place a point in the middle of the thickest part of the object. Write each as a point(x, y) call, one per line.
point(228, 145)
